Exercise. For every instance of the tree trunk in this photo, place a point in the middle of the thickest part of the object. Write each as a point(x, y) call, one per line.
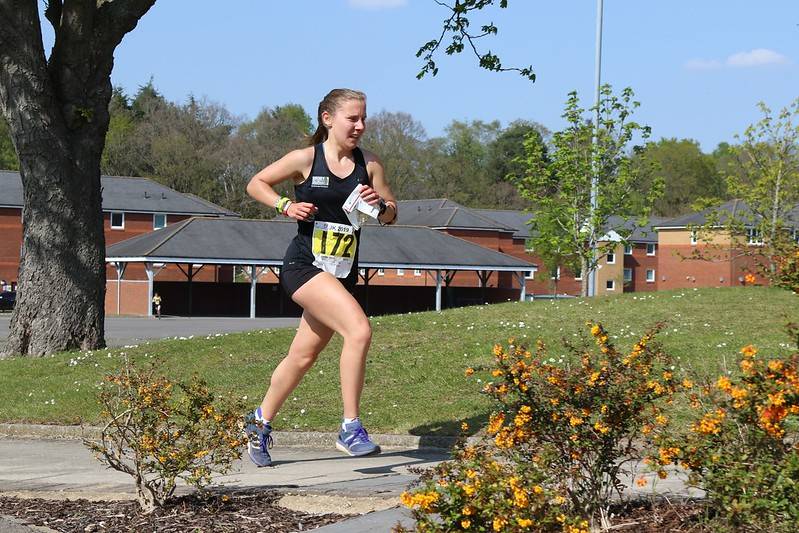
point(57, 112)
point(584, 278)
point(61, 283)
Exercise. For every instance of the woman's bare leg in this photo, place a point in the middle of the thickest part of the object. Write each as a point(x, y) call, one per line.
point(325, 299)
point(311, 338)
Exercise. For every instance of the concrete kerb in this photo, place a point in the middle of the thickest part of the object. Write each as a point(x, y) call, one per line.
point(304, 439)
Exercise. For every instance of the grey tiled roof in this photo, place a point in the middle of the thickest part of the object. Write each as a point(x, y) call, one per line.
point(140, 195)
point(509, 217)
point(723, 214)
point(443, 213)
point(642, 234)
point(244, 241)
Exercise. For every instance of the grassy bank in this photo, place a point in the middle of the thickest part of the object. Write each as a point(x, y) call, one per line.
point(415, 379)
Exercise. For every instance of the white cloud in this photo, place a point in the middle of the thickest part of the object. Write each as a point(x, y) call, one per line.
point(753, 58)
point(377, 4)
point(703, 64)
point(756, 58)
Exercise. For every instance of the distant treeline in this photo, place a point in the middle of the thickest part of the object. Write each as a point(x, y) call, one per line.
point(201, 148)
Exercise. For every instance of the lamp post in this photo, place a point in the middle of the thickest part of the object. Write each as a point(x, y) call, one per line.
point(592, 281)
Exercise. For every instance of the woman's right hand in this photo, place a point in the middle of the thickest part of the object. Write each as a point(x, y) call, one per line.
point(301, 211)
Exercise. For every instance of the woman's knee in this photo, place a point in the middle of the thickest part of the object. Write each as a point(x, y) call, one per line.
point(359, 332)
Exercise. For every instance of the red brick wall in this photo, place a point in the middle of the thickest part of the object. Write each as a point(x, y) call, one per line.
point(677, 272)
point(640, 262)
point(10, 242)
point(133, 298)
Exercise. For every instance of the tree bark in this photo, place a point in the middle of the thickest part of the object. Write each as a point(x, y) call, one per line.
point(57, 113)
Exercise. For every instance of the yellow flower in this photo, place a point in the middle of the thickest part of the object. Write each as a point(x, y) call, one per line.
point(465, 523)
point(687, 383)
point(495, 423)
point(641, 482)
point(724, 384)
point(524, 522)
point(467, 510)
point(464, 426)
point(595, 330)
point(749, 350)
point(775, 366)
point(499, 523)
point(496, 373)
point(575, 421)
point(469, 371)
point(602, 428)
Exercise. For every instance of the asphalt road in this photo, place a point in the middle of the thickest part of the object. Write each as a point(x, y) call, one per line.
point(121, 331)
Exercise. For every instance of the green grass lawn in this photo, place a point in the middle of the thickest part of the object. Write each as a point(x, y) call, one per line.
point(415, 375)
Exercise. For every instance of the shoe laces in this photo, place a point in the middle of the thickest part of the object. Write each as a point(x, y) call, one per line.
point(265, 440)
point(360, 435)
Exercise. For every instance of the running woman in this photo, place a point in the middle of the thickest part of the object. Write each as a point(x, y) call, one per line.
point(320, 268)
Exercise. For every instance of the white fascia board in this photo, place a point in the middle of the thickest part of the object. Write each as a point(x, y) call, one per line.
point(531, 266)
point(194, 260)
point(211, 261)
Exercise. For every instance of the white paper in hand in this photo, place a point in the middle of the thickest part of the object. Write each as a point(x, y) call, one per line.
point(357, 209)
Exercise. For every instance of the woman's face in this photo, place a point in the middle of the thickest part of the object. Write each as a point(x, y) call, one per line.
point(347, 123)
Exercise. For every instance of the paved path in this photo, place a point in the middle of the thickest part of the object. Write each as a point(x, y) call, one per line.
point(309, 476)
point(121, 331)
point(66, 469)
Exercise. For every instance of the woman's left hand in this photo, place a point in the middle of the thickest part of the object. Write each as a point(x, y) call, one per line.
point(369, 195)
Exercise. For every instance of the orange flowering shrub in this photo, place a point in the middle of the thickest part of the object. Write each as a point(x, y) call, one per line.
point(567, 430)
point(587, 412)
point(157, 431)
point(743, 445)
point(480, 489)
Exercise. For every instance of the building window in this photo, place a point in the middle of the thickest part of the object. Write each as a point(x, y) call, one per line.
point(417, 272)
point(381, 271)
point(754, 236)
point(117, 220)
point(400, 271)
point(693, 237)
point(628, 275)
point(628, 249)
point(557, 274)
point(611, 258)
point(159, 220)
point(650, 275)
point(610, 285)
point(529, 274)
point(650, 248)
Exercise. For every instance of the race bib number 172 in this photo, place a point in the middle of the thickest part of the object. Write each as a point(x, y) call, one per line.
point(334, 247)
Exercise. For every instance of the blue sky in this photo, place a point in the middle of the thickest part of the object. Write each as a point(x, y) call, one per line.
point(697, 67)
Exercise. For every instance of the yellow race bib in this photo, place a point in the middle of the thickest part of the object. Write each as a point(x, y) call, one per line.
point(334, 247)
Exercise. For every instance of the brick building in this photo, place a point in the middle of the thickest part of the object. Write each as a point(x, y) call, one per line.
point(131, 207)
point(699, 250)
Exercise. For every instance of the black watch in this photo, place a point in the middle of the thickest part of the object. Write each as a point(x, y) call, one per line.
point(382, 206)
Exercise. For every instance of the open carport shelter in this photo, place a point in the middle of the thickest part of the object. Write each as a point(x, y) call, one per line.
point(257, 247)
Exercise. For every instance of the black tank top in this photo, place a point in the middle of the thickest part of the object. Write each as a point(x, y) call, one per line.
point(327, 192)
